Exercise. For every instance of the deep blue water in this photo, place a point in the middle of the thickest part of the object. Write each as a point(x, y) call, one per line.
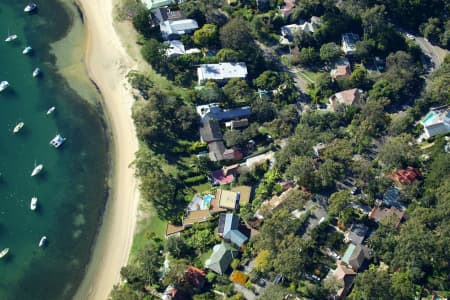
point(72, 188)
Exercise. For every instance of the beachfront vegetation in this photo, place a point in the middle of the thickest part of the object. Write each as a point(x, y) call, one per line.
point(332, 167)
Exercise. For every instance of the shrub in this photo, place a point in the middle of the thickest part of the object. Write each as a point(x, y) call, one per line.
point(239, 277)
point(195, 180)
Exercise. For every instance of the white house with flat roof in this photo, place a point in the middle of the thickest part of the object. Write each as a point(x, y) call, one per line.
point(221, 71)
point(436, 121)
point(176, 47)
point(153, 4)
point(171, 30)
point(349, 43)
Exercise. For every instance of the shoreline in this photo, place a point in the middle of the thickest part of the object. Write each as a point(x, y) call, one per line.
point(107, 63)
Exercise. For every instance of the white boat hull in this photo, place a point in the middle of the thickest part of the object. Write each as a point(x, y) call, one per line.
point(11, 38)
point(42, 241)
point(37, 170)
point(4, 252)
point(33, 203)
point(51, 110)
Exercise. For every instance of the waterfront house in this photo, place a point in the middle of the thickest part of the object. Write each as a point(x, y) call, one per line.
point(153, 4)
point(221, 72)
point(172, 30)
point(214, 111)
point(160, 15)
point(176, 48)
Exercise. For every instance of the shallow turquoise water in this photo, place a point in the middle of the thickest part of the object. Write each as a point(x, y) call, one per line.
point(72, 188)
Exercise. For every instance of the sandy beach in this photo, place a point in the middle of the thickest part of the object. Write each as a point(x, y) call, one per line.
point(107, 64)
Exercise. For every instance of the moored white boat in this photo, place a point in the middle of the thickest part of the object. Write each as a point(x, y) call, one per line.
point(37, 170)
point(42, 241)
point(33, 203)
point(4, 252)
point(11, 38)
point(57, 141)
point(36, 72)
point(30, 7)
point(4, 85)
point(18, 127)
point(27, 50)
point(51, 110)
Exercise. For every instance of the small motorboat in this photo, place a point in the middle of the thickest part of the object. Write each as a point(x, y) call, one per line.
point(27, 50)
point(51, 110)
point(4, 85)
point(36, 72)
point(18, 127)
point(4, 252)
point(11, 38)
point(57, 141)
point(42, 241)
point(33, 203)
point(30, 7)
point(37, 169)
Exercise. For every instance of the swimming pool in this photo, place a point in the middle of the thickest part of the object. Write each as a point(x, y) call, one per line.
point(429, 117)
point(207, 201)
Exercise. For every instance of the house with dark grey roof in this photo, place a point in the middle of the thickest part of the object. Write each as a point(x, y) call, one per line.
point(356, 255)
point(214, 111)
point(210, 131)
point(391, 197)
point(356, 234)
point(221, 258)
point(216, 150)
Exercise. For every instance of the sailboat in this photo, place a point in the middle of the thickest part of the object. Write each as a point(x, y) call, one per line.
point(33, 203)
point(42, 241)
point(30, 7)
point(10, 37)
point(37, 169)
point(4, 85)
point(51, 110)
point(36, 72)
point(18, 127)
point(27, 50)
point(4, 252)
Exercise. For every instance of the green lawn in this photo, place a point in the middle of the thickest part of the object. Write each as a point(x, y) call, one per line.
point(310, 76)
point(201, 188)
point(149, 226)
point(205, 256)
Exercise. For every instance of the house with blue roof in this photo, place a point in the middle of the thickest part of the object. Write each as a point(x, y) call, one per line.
point(229, 229)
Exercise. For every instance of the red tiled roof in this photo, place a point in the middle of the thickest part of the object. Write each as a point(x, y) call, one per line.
point(404, 177)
